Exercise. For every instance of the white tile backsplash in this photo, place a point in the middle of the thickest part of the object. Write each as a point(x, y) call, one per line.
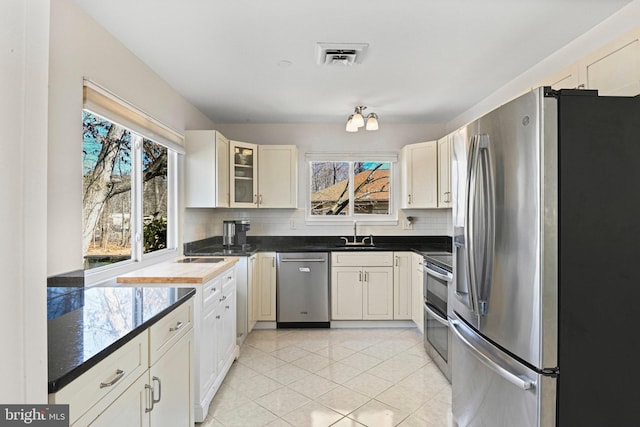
point(203, 223)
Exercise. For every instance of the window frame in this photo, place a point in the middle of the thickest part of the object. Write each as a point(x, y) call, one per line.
point(138, 258)
point(351, 158)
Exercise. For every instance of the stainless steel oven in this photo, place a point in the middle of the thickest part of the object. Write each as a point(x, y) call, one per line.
point(438, 274)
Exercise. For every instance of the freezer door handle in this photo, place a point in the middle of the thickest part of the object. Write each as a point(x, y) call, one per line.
point(517, 380)
point(303, 260)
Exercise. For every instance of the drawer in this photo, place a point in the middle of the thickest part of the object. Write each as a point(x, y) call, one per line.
point(168, 330)
point(211, 292)
point(228, 277)
point(364, 259)
point(97, 388)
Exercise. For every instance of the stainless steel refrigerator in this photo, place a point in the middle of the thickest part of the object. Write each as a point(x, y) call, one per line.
point(546, 222)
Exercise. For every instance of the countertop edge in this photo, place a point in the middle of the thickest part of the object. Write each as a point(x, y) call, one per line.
point(66, 378)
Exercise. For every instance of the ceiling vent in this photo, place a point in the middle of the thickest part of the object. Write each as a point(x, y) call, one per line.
point(341, 53)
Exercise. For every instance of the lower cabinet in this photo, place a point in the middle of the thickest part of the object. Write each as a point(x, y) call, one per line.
point(265, 296)
point(146, 382)
point(402, 289)
point(362, 286)
point(417, 290)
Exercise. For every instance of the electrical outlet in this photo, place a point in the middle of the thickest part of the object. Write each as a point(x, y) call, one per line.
point(292, 224)
point(407, 225)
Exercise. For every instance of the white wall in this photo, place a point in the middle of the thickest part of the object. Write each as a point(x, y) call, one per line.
point(80, 48)
point(24, 33)
point(201, 223)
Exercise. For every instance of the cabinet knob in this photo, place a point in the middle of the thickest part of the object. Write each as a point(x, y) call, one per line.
point(218, 316)
point(178, 326)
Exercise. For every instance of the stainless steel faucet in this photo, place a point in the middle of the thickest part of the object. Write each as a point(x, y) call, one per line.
point(355, 234)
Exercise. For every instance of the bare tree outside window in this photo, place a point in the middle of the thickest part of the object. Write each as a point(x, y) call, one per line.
point(108, 210)
point(331, 182)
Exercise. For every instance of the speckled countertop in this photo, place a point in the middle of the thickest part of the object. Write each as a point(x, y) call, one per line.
point(85, 325)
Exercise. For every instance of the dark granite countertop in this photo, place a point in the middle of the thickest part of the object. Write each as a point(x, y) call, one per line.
point(85, 325)
point(418, 244)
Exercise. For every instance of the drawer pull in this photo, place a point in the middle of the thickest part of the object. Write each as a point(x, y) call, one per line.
point(227, 307)
point(178, 326)
point(118, 377)
point(212, 290)
point(224, 297)
point(149, 398)
point(218, 316)
point(153, 392)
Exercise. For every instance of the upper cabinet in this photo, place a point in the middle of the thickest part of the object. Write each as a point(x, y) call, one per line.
point(243, 176)
point(419, 171)
point(614, 69)
point(220, 173)
point(277, 176)
point(206, 169)
point(444, 171)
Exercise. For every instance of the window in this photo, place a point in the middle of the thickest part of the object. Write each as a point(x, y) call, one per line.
point(129, 193)
point(350, 188)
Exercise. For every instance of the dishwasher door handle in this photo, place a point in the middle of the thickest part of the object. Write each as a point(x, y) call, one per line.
point(303, 260)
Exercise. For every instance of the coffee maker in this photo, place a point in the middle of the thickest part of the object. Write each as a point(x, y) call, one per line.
point(235, 234)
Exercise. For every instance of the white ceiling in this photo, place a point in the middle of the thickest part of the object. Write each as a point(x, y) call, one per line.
point(427, 61)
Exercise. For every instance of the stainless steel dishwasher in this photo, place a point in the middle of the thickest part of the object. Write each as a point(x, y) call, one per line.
point(302, 290)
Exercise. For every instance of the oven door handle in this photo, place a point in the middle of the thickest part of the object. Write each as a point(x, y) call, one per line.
point(436, 315)
point(446, 278)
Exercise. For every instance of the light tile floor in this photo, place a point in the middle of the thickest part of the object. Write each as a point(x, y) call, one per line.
point(332, 377)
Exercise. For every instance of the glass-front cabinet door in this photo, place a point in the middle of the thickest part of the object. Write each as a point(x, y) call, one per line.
point(244, 175)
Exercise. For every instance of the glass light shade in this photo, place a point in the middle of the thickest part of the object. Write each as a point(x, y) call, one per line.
point(351, 127)
point(372, 122)
point(358, 120)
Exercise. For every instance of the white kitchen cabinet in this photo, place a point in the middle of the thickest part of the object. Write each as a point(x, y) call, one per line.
point(128, 410)
point(252, 279)
point(417, 290)
point(444, 171)
point(362, 286)
point(206, 170)
point(147, 382)
point(278, 176)
point(419, 175)
point(243, 174)
point(615, 68)
point(266, 286)
point(172, 392)
point(225, 327)
point(402, 302)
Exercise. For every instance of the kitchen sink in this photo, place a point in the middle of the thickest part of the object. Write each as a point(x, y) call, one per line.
point(200, 260)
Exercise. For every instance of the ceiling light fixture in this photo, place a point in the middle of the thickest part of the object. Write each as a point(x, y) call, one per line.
point(357, 120)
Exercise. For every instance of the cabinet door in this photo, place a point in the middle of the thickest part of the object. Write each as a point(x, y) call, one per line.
point(226, 339)
point(266, 286)
point(420, 175)
point(417, 274)
point(172, 382)
point(252, 292)
point(402, 303)
point(377, 293)
point(278, 176)
point(615, 69)
point(127, 410)
point(444, 172)
point(207, 363)
point(346, 293)
point(206, 169)
point(243, 174)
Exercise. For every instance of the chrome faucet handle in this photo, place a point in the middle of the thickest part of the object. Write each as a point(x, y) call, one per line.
point(365, 238)
point(371, 239)
point(345, 240)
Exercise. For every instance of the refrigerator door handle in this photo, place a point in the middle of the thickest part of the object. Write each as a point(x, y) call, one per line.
point(519, 381)
point(469, 229)
point(480, 241)
point(488, 212)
